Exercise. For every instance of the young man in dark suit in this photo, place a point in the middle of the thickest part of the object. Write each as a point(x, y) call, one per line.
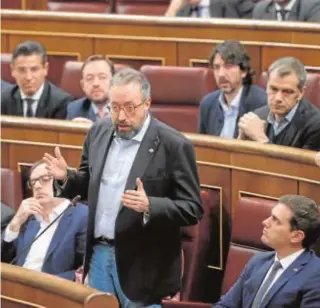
point(292, 10)
point(288, 119)
point(97, 72)
point(33, 96)
point(220, 110)
point(59, 250)
point(211, 8)
point(140, 178)
point(289, 276)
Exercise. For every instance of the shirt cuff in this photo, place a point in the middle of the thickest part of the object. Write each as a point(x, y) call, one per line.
point(9, 235)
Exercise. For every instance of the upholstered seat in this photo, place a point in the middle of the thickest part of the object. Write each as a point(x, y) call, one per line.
point(176, 93)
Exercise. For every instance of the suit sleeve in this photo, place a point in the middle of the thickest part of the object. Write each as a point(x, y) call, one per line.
point(78, 181)
point(311, 295)
point(233, 298)
point(312, 140)
point(183, 206)
point(202, 118)
point(61, 111)
point(314, 13)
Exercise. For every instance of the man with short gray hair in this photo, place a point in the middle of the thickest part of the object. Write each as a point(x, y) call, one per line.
point(140, 179)
point(289, 119)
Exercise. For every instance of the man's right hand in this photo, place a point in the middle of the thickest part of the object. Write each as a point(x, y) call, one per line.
point(56, 166)
point(30, 206)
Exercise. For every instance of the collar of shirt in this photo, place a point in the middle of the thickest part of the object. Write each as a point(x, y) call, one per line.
point(287, 7)
point(95, 109)
point(272, 119)
point(55, 213)
point(235, 104)
point(203, 3)
point(36, 96)
point(287, 261)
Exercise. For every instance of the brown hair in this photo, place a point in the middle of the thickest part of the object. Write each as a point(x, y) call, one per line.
point(99, 58)
point(305, 217)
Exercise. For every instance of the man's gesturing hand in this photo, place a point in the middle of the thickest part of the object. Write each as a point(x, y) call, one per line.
point(56, 165)
point(136, 200)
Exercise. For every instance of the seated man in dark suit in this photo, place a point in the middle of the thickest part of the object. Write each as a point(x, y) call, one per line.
point(33, 96)
point(289, 119)
point(289, 276)
point(210, 8)
point(298, 10)
point(97, 72)
point(221, 109)
point(58, 251)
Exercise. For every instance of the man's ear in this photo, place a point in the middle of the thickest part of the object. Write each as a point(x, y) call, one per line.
point(297, 237)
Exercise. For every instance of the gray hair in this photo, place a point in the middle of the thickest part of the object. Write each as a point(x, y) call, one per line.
point(288, 65)
point(129, 75)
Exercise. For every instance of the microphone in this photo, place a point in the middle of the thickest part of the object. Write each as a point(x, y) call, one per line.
point(72, 203)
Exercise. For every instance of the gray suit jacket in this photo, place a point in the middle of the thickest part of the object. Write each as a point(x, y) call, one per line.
point(303, 10)
point(223, 8)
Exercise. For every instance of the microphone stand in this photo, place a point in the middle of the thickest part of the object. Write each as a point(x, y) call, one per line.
point(72, 203)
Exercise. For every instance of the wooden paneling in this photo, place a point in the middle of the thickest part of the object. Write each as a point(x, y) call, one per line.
point(5, 43)
point(309, 56)
point(310, 189)
point(56, 44)
point(154, 40)
point(137, 51)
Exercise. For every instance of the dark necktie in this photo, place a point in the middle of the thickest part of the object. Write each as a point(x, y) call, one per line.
point(29, 101)
point(195, 9)
point(283, 13)
point(263, 290)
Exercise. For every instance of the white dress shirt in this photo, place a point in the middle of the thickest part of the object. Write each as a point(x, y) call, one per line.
point(36, 97)
point(285, 263)
point(230, 114)
point(115, 174)
point(203, 7)
point(288, 7)
point(37, 253)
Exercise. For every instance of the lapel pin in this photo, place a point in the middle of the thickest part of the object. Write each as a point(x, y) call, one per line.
point(295, 269)
point(151, 150)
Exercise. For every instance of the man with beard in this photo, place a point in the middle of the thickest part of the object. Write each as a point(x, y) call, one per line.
point(299, 10)
point(289, 276)
point(97, 72)
point(60, 249)
point(289, 119)
point(141, 182)
point(221, 109)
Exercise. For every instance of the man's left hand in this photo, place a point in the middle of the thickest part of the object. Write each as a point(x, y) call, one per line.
point(136, 200)
point(253, 127)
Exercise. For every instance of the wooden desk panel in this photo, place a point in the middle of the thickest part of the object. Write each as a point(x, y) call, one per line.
point(158, 40)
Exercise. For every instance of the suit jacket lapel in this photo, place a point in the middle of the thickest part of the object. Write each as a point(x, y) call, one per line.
point(271, 11)
point(292, 270)
point(43, 103)
point(292, 132)
point(59, 234)
point(30, 233)
point(147, 149)
point(294, 12)
point(17, 109)
point(258, 279)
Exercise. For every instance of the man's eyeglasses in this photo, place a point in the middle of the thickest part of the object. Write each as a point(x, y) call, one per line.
point(42, 180)
point(128, 109)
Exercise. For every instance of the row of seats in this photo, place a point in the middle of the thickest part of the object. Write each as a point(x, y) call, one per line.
point(176, 91)
point(197, 241)
point(135, 7)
